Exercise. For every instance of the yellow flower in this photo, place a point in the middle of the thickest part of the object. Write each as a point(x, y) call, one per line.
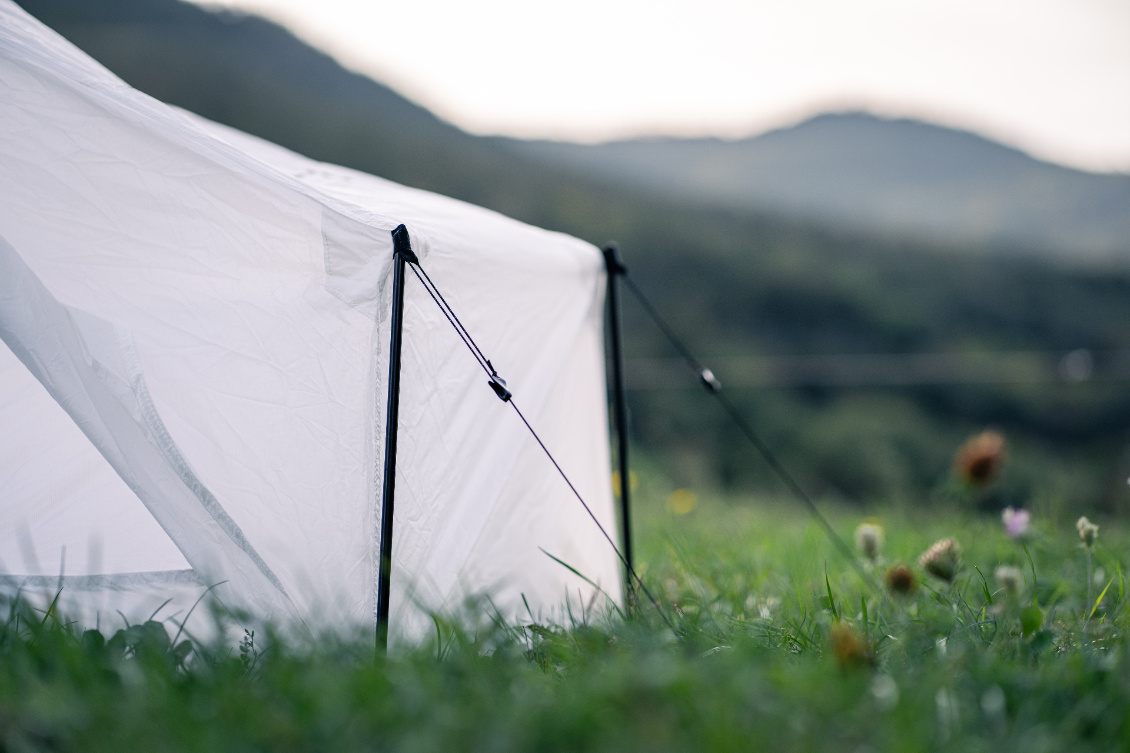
point(682, 501)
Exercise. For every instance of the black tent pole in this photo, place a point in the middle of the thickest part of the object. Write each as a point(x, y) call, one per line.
point(616, 268)
point(402, 253)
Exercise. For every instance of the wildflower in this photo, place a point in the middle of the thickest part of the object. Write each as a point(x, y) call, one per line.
point(942, 559)
point(764, 607)
point(900, 580)
point(1016, 522)
point(869, 540)
point(682, 501)
point(1087, 531)
point(1010, 579)
point(979, 460)
point(849, 648)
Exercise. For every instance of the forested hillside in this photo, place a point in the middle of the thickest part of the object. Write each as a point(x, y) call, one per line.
point(734, 281)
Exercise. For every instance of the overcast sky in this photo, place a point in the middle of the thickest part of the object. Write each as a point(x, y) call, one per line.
point(1049, 76)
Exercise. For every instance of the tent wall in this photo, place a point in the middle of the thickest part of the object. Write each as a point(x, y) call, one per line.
point(208, 312)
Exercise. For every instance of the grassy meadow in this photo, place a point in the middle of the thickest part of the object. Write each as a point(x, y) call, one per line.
point(779, 643)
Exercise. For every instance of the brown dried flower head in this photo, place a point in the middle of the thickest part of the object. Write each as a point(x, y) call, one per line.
point(849, 647)
point(979, 460)
point(900, 580)
point(942, 559)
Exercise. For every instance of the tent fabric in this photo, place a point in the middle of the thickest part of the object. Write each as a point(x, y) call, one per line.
point(194, 328)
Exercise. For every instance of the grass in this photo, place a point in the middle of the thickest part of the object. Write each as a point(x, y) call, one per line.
point(781, 644)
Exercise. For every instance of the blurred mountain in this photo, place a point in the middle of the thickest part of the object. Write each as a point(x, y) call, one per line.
point(900, 177)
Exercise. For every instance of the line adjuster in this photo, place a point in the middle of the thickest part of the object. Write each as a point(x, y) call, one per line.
point(498, 384)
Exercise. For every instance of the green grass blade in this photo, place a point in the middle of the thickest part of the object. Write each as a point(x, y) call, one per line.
point(831, 601)
point(984, 586)
point(586, 579)
point(1099, 600)
point(199, 599)
point(51, 608)
point(158, 609)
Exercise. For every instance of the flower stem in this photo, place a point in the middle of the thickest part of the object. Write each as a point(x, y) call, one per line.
point(1090, 581)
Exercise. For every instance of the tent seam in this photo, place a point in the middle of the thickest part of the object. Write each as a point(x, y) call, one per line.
point(168, 448)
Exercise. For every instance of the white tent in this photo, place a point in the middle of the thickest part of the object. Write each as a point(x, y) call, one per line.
point(193, 363)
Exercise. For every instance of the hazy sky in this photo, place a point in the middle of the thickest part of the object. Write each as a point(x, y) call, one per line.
point(1049, 76)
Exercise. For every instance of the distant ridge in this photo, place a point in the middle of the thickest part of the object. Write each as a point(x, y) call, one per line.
point(896, 176)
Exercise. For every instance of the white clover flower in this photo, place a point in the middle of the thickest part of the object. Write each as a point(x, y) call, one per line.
point(869, 540)
point(1088, 531)
point(1010, 579)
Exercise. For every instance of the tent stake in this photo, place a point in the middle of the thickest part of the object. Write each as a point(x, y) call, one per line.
point(616, 268)
point(402, 253)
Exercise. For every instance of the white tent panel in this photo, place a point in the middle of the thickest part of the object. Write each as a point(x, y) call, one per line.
point(207, 273)
point(565, 529)
point(209, 312)
point(86, 520)
point(477, 487)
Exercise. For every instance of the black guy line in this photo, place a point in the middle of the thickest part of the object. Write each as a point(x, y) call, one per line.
point(485, 364)
point(592, 515)
point(443, 304)
point(714, 387)
point(452, 319)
